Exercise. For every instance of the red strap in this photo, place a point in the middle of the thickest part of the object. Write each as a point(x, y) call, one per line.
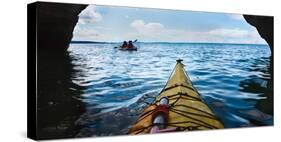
point(161, 109)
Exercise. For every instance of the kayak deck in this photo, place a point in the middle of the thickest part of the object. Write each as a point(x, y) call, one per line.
point(187, 110)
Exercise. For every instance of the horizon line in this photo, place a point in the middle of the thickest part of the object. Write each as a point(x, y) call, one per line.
point(183, 42)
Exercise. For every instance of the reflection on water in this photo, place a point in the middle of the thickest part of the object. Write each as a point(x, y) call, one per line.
point(58, 104)
point(234, 80)
point(262, 114)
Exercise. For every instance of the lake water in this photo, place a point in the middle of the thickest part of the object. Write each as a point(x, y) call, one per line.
point(234, 80)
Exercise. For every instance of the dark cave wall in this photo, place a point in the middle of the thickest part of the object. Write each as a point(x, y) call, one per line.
point(57, 108)
point(56, 22)
point(264, 25)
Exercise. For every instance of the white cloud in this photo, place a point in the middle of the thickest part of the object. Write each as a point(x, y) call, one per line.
point(152, 31)
point(235, 33)
point(147, 28)
point(237, 36)
point(86, 34)
point(89, 15)
point(90, 34)
point(236, 16)
point(155, 31)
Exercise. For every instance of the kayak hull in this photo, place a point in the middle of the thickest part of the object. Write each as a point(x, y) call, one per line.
point(128, 49)
point(187, 110)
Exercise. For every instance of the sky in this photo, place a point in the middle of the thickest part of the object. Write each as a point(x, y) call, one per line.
point(116, 24)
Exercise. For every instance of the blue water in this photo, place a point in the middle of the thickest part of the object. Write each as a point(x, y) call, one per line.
point(117, 85)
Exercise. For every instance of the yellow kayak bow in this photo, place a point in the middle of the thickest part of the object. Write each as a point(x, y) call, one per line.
point(187, 110)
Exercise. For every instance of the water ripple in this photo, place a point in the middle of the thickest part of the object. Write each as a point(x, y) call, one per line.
point(234, 80)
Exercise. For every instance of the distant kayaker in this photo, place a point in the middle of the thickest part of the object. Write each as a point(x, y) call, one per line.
point(130, 44)
point(125, 45)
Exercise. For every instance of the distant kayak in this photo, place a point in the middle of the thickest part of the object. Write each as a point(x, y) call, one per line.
point(179, 107)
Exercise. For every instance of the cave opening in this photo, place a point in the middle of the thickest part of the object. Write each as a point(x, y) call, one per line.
point(59, 98)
